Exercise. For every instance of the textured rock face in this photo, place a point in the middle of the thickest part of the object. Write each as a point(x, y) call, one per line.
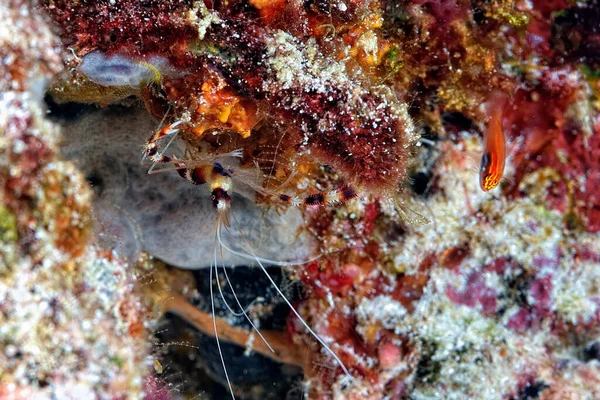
point(72, 324)
point(163, 214)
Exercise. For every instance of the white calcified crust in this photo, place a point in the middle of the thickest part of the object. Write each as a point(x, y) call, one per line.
point(480, 357)
point(61, 313)
point(202, 18)
point(296, 64)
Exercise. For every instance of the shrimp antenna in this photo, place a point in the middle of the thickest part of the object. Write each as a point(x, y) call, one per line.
point(212, 306)
point(243, 311)
point(265, 260)
point(308, 328)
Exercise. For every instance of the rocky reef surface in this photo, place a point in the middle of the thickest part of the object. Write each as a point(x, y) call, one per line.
point(425, 285)
point(71, 321)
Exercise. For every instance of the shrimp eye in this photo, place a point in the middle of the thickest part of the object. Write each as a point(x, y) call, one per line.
point(218, 169)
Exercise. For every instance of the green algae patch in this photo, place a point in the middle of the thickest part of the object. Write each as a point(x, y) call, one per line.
point(8, 238)
point(8, 226)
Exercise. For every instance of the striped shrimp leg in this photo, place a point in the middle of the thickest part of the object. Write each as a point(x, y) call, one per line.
point(319, 199)
point(150, 150)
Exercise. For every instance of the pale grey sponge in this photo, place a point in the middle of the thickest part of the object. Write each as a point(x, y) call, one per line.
point(115, 70)
point(164, 214)
point(120, 70)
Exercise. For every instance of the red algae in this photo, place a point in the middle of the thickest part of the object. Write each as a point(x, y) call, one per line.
point(327, 110)
point(128, 26)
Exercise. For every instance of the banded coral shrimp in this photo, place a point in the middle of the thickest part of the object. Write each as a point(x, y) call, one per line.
point(224, 176)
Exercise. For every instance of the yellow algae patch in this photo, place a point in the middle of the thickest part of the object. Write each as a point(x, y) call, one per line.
point(82, 90)
point(505, 11)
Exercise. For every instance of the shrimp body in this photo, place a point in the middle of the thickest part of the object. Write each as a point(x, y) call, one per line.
point(216, 173)
point(220, 181)
point(493, 158)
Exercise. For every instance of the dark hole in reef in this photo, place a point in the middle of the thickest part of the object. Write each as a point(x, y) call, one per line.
point(395, 15)
point(182, 361)
point(478, 16)
point(571, 131)
point(427, 369)
point(253, 376)
point(43, 382)
point(592, 352)
point(518, 288)
point(395, 233)
point(422, 178)
point(112, 37)
point(18, 354)
point(65, 111)
point(96, 182)
point(531, 391)
point(419, 182)
point(249, 284)
point(478, 12)
point(457, 120)
point(319, 6)
point(575, 33)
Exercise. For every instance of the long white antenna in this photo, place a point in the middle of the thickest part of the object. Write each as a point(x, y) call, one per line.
point(308, 328)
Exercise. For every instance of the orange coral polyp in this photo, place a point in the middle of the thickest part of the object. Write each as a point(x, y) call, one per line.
point(220, 108)
point(269, 9)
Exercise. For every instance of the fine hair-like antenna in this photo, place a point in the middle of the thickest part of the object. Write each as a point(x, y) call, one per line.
point(252, 255)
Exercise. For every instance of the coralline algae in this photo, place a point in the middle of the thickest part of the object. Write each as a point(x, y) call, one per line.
point(169, 218)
